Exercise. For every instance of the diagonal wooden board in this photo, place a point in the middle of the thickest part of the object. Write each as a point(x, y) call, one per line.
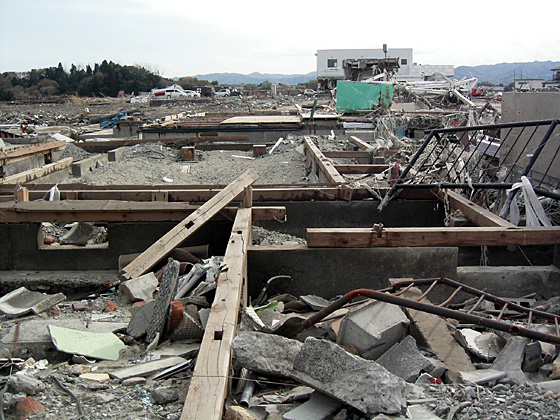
point(208, 388)
point(159, 250)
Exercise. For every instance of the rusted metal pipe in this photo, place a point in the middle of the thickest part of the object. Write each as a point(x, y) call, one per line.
point(437, 310)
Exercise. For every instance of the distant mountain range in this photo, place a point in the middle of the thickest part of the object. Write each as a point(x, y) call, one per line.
point(503, 73)
point(256, 78)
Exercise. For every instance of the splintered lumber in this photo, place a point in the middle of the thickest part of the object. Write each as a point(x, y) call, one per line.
point(322, 164)
point(438, 236)
point(476, 214)
point(208, 388)
point(24, 211)
point(188, 226)
point(32, 174)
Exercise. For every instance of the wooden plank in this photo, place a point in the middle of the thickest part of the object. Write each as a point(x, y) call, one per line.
point(476, 214)
point(208, 387)
point(189, 225)
point(32, 174)
point(325, 166)
point(117, 211)
point(361, 169)
point(359, 143)
point(460, 236)
point(346, 154)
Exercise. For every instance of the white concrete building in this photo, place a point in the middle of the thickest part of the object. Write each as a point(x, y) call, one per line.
point(330, 64)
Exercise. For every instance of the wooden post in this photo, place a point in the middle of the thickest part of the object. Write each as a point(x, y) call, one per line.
point(188, 153)
point(259, 150)
point(21, 194)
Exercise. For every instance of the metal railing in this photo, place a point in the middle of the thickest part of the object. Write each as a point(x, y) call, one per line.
point(486, 156)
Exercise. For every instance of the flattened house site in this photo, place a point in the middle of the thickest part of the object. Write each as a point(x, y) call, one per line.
point(385, 245)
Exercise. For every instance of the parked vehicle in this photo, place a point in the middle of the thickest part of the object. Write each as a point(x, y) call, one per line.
point(223, 93)
point(173, 92)
point(309, 92)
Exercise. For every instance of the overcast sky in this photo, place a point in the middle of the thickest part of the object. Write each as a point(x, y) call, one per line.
point(184, 38)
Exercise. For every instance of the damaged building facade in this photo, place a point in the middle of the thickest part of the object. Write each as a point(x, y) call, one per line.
point(391, 255)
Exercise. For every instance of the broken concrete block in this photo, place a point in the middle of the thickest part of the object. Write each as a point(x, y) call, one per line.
point(25, 384)
point(430, 331)
point(164, 395)
point(325, 366)
point(360, 383)
point(146, 369)
point(486, 346)
point(482, 376)
point(319, 407)
point(236, 412)
point(98, 345)
point(137, 380)
point(533, 357)
point(21, 301)
point(139, 288)
point(141, 317)
point(265, 353)
point(511, 358)
point(553, 386)
point(373, 329)
point(405, 360)
point(78, 235)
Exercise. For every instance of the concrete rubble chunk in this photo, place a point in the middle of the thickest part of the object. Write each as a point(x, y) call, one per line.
point(430, 331)
point(373, 329)
point(405, 360)
point(318, 407)
point(266, 353)
point(104, 346)
point(511, 358)
point(163, 395)
point(139, 288)
point(360, 383)
point(324, 366)
point(78, 234)
point(25, 384)
point(141, 317)
point(21, 301)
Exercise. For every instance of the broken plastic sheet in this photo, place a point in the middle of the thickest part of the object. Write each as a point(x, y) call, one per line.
point(534, 211)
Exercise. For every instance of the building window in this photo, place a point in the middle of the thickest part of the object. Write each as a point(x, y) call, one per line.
point(331, 63)
point(404, 61)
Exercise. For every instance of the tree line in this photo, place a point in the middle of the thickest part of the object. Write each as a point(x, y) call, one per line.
point(105, 79)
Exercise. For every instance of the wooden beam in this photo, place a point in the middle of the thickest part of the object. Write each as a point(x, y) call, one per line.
point(461, 236)
point(208, 387)
point(189, 225)
point(360, 144)
point(346, 154)
point(32, 174)
point(476, 214)
point(361, 169)
point(117, 211)
point(322, 164)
